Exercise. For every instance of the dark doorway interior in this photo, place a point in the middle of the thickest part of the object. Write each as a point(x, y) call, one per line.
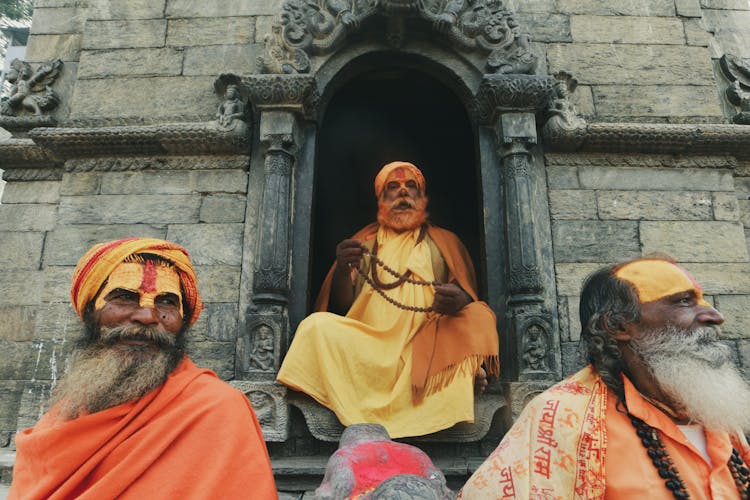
point(379, 117)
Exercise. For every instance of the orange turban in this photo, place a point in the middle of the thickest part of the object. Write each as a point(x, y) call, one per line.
point(98, 263)
point(382, 176)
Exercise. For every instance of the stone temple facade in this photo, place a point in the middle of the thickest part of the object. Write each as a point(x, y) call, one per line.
point(555, 135)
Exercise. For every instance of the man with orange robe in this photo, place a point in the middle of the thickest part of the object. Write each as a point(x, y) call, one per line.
point(658, 414)
point(134, 417)
point(401, 344)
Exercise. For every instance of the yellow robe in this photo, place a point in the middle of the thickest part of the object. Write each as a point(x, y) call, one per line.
point(359, 365)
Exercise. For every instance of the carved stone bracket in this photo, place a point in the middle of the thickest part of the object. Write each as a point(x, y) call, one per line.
point(317, 27)
point(269, 402)
point(737, 71)
point(296, 93)
point(170, 138)
point(499, 94)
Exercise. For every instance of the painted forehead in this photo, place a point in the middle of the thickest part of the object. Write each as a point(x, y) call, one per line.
point(401, 174)
point(654, 279)
point(149, 278)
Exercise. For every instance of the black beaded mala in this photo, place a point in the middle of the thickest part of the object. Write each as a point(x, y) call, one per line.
point(380, 287)
point(667, 471)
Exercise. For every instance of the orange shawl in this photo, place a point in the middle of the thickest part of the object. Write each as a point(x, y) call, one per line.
point(193, 437)
point(443, 342)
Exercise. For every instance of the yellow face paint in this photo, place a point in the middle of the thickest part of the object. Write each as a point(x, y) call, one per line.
point(148, 279)
point(654, 279)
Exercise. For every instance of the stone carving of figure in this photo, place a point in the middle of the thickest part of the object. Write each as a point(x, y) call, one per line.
point(535, 349)
point(232, 109)
point(31, 89)
point(261, 357)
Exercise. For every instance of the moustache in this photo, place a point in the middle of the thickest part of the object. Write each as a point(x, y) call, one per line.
point(113, 336)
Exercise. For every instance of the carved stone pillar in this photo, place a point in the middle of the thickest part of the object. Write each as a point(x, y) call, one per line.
point(281, 102)
point(507, 104)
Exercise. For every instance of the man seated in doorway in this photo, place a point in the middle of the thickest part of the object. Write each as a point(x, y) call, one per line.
point(659, 413)
point(405, 335)
point(134, 417)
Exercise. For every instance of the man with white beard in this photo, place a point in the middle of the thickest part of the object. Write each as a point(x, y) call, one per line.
point(661, 411)
point(134, 417)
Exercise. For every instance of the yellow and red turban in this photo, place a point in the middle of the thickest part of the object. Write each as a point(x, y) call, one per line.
point(98, 263)
point(655, 278)
point(385, 172)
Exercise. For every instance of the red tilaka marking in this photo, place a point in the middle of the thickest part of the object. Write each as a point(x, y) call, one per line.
point(148, 282)
point(400, 173)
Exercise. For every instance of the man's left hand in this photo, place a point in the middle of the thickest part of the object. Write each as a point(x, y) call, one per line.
point(450, 298)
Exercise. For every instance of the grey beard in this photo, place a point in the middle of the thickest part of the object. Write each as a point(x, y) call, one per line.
point(697, 372)
point(105, 372)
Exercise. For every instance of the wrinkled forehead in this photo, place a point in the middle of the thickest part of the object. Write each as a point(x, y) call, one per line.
point(654, 279)
point(401, 174)
point(147, 277)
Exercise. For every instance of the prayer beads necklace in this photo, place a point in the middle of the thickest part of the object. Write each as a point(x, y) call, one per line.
point(667, 471)
point(380, 287)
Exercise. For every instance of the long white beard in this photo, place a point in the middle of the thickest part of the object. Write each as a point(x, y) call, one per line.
point(698, 373)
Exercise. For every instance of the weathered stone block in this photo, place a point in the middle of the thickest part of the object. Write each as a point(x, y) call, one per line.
point(44, 48)
point(217, 59)
point(573, 357)
point(57, 284)
point(744, 211)
point(725, 206)
point(263, 26)
point(21, 288)
point(562, 177)
point(216, 356)
point(210, 244)
point(570, 276)
point(655, 205)
point(572, 204)
point(589, 241)
point(27, 217)
point(679, 240)
point(532, 5)
point(722, 279)
point(33, 402)
point(157, 97)
point(545, 26)
point(199, 8)
point(32, 192)
point(614, 64)
point(130, 62)
point(123, 34)
point(223, 208)
point(656, 100)
point(10, 400)
point(160, 182)
point(583, 100)
point(66, 244)
point(210, 31)
point(129, 209)
point(688, 8)
point(695, 34)
point(570, 324)
point(743, 347)
point(725, 4)
point(18, 323)
point(218, 283)
point(618, 7)
point(132, 9)
point(221, 323)
point(627, 29)
point(736, 320)
point(80, 183)
point(21, 249)
point(220, 181)
point(58, 322)
point(60, 3)
point(658, 179)
point(57, 20)
point(37, 360)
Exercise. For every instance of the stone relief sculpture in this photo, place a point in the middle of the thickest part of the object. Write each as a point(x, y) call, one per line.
point(264, 406)
point(315, 27)
point(261, 354)
point(232, 109)
point(737, 70)
point(31, 89)
point(535, 349)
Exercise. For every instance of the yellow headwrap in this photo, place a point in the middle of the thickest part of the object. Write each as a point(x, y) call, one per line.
point(382, 176)
point(98, 263)
point(654, 279)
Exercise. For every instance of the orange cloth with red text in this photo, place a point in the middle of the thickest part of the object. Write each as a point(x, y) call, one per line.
point(193, 437)
point(570, 442)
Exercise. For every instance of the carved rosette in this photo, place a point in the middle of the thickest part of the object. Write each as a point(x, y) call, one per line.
point(268, 400)
point(317, 27)
point(502, 93)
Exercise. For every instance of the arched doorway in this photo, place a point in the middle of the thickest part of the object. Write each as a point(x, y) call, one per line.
point(382, 115)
